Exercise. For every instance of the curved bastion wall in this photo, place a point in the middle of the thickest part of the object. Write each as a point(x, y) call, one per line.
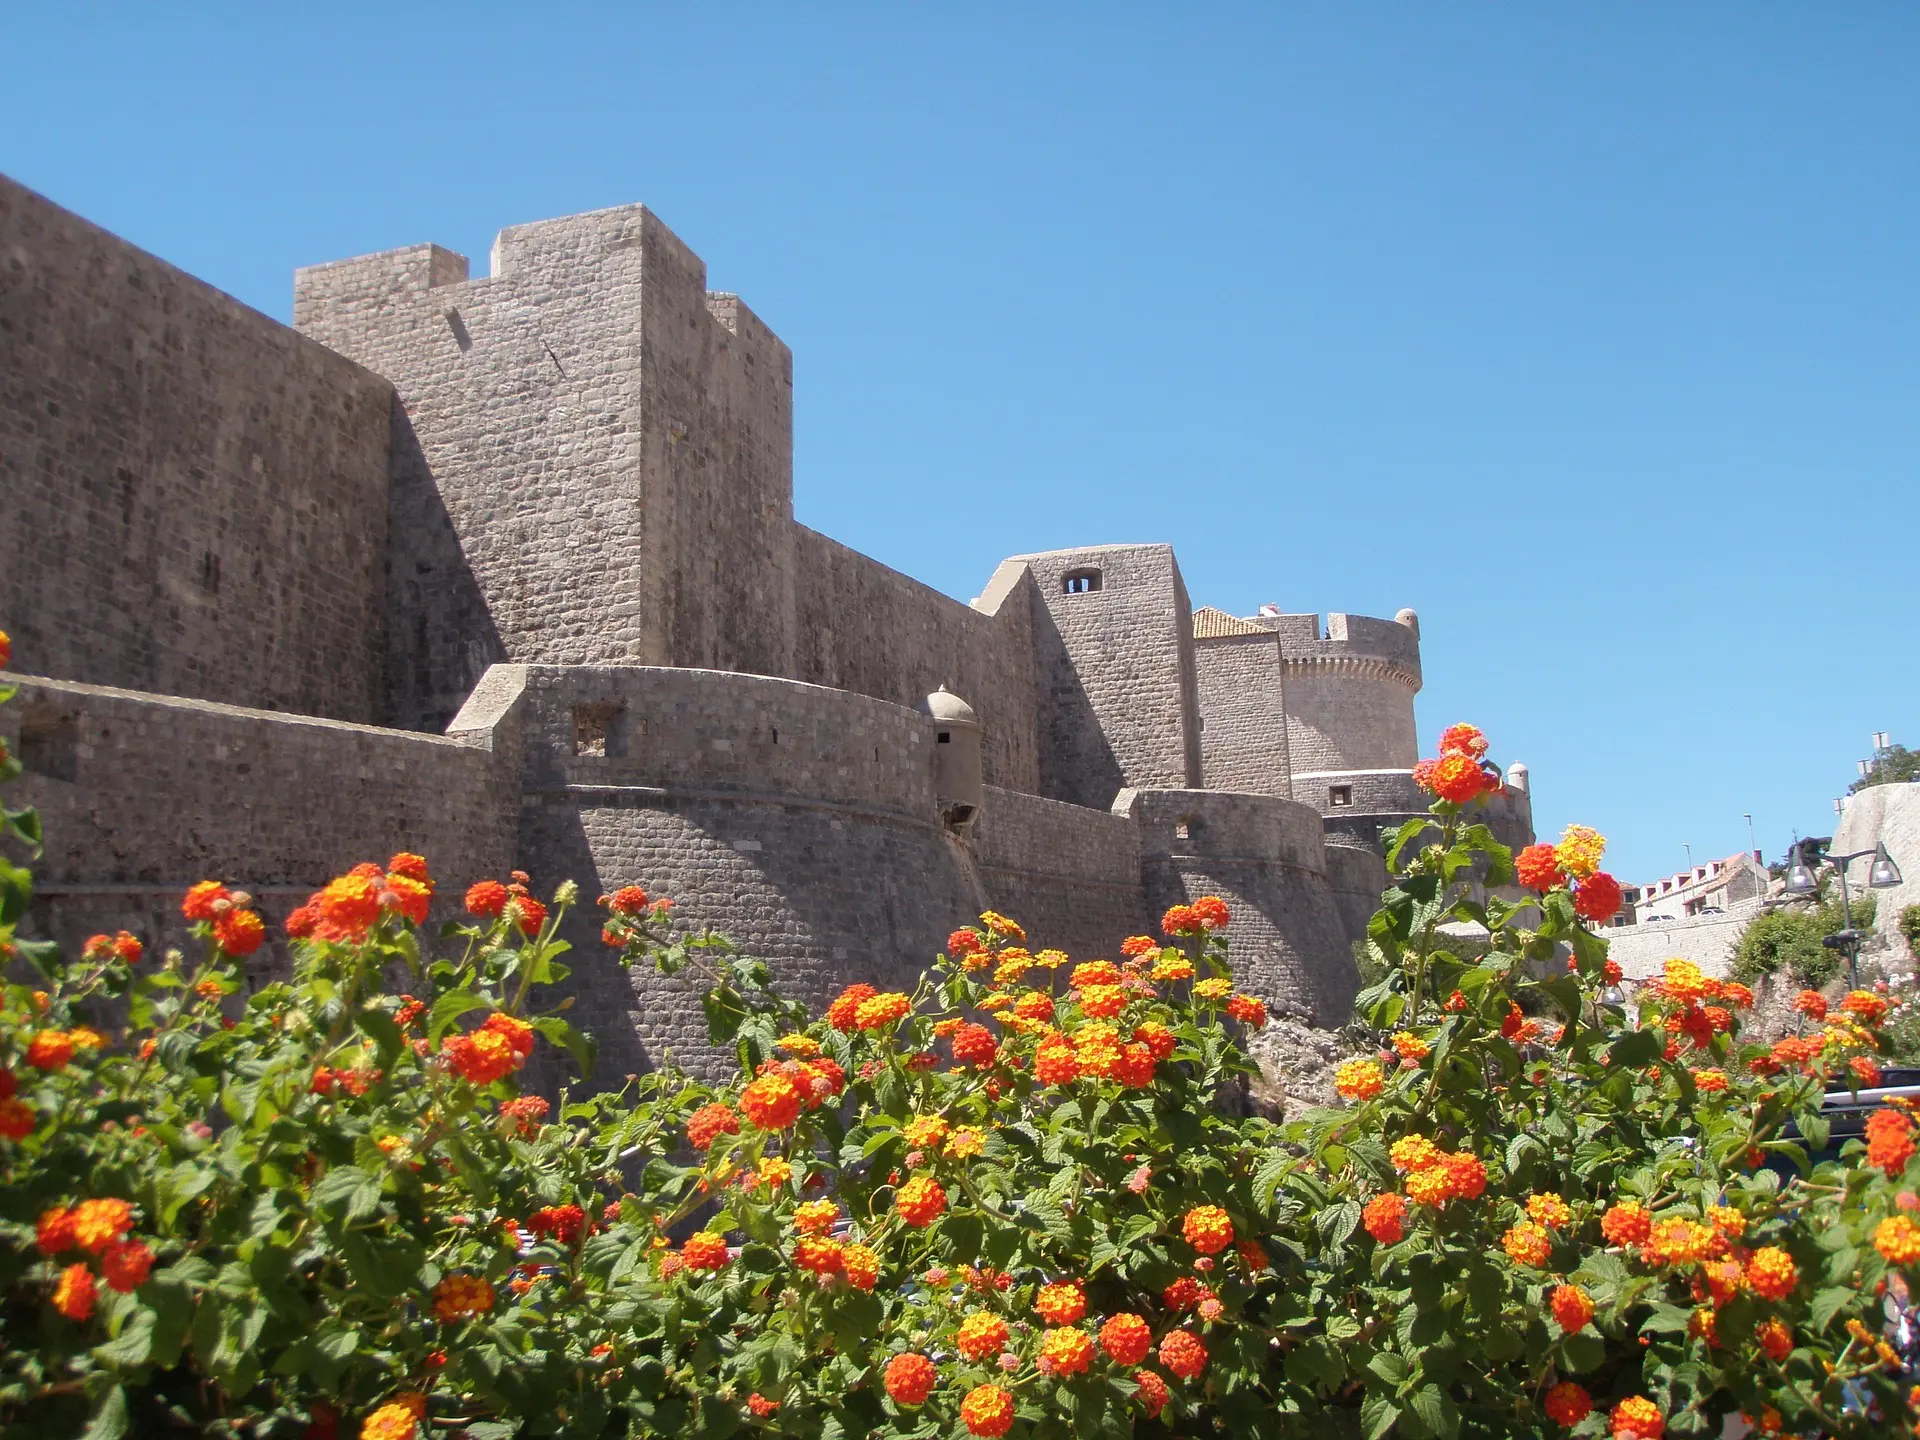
point(1265, 857)
point(797, 820)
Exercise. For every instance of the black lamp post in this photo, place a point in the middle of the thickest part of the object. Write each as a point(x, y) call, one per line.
point(1882, 875)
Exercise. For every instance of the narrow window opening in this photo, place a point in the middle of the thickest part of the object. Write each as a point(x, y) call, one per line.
point(1080, 582)
point(597, 730)
point(1339, 795)
point(776, 734)
point(50, 742)
point(1183, 828)
point(945, 737)
point(210, 573)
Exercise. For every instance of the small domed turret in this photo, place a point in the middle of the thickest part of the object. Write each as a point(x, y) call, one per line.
point(1409, 619)
point(957, 782)
point(1517, 776)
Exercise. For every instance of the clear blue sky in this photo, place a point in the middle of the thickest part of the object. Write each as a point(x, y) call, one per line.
point(1591, 332)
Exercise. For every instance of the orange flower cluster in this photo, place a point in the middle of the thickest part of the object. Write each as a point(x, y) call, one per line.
point(920, 1201)
point(1889, 1141)
point(1207, 1228)
point(1897, 1239)
point(1637, 1418)
point(1572, 1308)
point(1435, 1176)
point(459, 1296)
point(771, 1102)
point(1065, 1352)
point(987, 1411)
point(398, 1419)
point(1568, 1403)
point(1183, 1354)
point(981, 1336)
point(1358, 1079)
point(910, 1378)
point(499, 1047)
point(1061, 1303)
point(1538, 868)
point(1527, 1244)
point(709, 1123)
point(1385, 1218)
point(1126, 1338)
point(705, 1251)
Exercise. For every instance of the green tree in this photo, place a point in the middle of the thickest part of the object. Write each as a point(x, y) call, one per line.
point(1896, 766)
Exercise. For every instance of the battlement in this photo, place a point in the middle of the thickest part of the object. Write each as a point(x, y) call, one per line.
point(1351, 644)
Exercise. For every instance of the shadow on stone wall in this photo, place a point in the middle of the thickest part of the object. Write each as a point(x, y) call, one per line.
point(440, 634)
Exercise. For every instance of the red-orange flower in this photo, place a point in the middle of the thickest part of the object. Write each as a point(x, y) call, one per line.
point(1180, 920)
point(1065, 1352)
point(843, 1011)
point(910, 1378)
point(1597, 897)
point(981, 1336)
point(1637, 1418)
point(1772, 1274)
point(1126, 1338)
point(1889, 1141)
point(1152, 1391)
point(974, 1045)
point(1357, 1079)
point(771, 1102)
point(987, 1411)
point(1056, 1063)
point(920, 1201)
point(205, 900)
point(1568, 1403)
point(1527, 1244)
point(458, 1296)
point(126, 1265)
point(50, 1050)
point(98, 1223)
point(705, 1251)
point(239, 932)
point(1211, 911)
point(1538, 868)
point(819, 1254)
point(17, 1119)
point(1774, 1338)
point(1626, 1223)
point(73, 1296)
point(1573, 1308)
point(1812, 1004)
point(1207, 1228)
point(1183, 1354)
point(1456, 778)
point(709, 1122)
point(486, 898)
point(1385, 1218)
point(1061, 1303)
point(1249, 1010)
point(860, 1265)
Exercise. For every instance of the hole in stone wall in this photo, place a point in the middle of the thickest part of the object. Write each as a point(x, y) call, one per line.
point(1183, 828)
point(597, 730)
point(210, 573)
point(50, 742)
point(1080, 582)
point(1338, 795)
point(945, 737)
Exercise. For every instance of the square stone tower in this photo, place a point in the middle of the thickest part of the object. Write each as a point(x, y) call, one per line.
point(1113, 655)
point(591, 460)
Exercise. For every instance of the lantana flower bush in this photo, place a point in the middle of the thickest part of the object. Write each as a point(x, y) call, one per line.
point(1026, 1199)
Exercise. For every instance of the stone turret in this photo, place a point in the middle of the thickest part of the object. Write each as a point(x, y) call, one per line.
point(956, 756)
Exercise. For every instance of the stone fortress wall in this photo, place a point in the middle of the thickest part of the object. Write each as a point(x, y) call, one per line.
point(522, 557)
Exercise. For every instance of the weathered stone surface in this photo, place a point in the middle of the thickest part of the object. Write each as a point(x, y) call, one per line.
point(548, 511)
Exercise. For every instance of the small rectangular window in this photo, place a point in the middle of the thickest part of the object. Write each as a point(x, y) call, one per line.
point(597, 730)
point(1080, 582)
point(1183, 829)
point(1339, 795)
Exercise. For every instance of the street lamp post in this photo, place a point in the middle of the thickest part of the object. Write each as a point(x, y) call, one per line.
point(1882, 875)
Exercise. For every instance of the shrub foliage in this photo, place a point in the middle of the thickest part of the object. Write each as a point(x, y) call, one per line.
point(1021, 1200)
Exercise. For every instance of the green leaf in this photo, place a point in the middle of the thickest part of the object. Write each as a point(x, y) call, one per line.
point(1435, 1412)
point(348, 1190)
point(1377, 1414)
point(579, 1046)
point(1829, 1303)
point(1584, 1352)
point(1635, 1049)
point(450, 1007)
point(109, 1419)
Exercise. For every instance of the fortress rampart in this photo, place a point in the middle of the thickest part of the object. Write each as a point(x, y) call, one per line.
point(504, 569)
